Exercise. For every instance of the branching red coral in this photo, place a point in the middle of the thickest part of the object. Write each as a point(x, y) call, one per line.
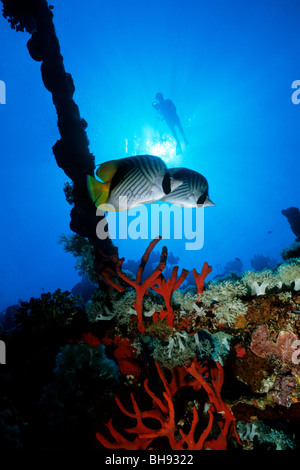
point(163, 411)
point(89, 339)
point(166, 288)
point(182, 378)
point(107, 276)
point(226, 419)
point(140, 287)
point(200, 278)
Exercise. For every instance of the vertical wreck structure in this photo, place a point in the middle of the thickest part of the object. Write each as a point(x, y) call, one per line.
point(71, 151)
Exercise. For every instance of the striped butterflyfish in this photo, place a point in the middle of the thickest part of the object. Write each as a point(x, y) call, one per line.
point(130, 182)
point(193, 192)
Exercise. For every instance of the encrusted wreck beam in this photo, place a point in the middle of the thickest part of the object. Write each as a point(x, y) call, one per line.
point(72, 150)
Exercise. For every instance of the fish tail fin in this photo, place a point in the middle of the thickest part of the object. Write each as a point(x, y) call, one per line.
point(99, 192)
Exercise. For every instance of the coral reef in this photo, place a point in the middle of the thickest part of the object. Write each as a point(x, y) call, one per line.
point(293, 251)
point(225, 323)
point(289, 273)
point(260, 282)
point(257, 435)
point(210, 366)
point(84, 254)
point(223, 291)
point(52, 311)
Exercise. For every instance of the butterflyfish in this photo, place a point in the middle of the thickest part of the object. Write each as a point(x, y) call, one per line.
point(193, 192)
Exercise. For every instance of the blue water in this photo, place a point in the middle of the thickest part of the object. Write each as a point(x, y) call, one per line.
point(228, 67)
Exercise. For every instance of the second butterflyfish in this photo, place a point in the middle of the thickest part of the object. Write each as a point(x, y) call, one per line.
point(193, 192)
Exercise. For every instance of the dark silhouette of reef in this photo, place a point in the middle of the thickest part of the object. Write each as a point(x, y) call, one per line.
point(231, 268)
point(293, 217)
point(7, 317)
point(85, 289)
point(260, 262)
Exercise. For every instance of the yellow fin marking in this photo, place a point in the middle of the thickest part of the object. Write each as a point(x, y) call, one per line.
point(107, 170)
point(98, 191)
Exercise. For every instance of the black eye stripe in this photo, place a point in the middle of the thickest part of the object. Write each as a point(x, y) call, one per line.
point(166, 184)
point(202, 198)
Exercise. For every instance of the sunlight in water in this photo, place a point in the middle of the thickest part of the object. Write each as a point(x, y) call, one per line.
point(160, 146)
point(163, 148)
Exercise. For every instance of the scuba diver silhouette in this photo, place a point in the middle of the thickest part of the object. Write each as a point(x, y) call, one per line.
point(167, 110)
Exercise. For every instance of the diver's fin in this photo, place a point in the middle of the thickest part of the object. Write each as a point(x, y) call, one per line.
point(107, 170)
point(98, 191)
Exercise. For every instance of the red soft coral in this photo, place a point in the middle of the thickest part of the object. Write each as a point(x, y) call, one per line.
point(209, 378)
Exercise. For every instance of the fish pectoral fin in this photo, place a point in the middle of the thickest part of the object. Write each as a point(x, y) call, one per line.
point(98, 191)
point(107, 170)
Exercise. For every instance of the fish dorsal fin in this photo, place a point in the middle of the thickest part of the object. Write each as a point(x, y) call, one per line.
point(107, 170)
point(177, 172)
